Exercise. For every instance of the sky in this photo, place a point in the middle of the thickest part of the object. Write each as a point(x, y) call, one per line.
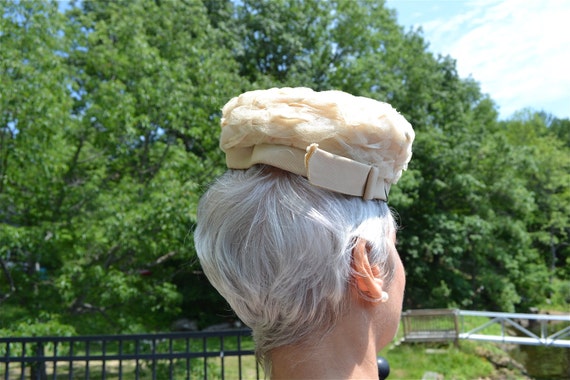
point(518, 50)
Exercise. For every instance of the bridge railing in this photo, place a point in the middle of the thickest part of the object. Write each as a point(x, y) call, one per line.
point(433, 325)
point(553, 331)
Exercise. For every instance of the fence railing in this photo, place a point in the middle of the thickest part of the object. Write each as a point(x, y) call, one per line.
point(433, 325)
point(550, 330)
point(190, 355)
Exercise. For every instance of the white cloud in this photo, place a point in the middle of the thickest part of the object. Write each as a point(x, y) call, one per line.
point(519, 50)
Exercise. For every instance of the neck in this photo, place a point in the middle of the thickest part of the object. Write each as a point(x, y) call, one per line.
point(349, 351)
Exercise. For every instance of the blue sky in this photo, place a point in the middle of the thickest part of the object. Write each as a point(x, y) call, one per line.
point(518, 50)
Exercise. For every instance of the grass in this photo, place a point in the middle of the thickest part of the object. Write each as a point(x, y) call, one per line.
point(462, 361)
point(412, 361)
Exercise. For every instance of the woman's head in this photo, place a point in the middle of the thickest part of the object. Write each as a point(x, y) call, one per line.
point(279, 250)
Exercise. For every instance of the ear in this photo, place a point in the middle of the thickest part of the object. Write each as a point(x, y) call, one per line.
point(366, 277)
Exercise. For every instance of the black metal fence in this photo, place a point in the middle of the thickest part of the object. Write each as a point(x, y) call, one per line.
point(189, 355)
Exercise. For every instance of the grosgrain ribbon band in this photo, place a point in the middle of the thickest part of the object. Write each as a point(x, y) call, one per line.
point(321, 168)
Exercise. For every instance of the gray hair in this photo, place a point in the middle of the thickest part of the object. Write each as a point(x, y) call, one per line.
point(279, 250)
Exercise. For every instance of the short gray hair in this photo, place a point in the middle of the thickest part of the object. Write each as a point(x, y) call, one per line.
point(279, 250)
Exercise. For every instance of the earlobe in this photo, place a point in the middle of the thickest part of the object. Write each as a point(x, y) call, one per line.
point(367, 277)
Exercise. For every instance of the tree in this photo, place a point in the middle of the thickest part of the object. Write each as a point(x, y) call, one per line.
point(109, 134)
point(35, 112)
point(547, 175)
point(141, 85)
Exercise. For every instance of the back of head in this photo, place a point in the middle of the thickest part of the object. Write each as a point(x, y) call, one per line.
point(278, 249)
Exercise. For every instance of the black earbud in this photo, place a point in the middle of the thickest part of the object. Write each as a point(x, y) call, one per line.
point(383, 368)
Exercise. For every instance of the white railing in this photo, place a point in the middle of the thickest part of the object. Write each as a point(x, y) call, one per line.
point(559, 331)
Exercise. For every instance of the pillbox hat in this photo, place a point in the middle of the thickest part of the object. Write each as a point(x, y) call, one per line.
point(348, 144)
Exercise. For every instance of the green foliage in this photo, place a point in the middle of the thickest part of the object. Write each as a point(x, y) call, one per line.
point(109, 134)
point(43, 325)
point(560, 297)
point(109, 120)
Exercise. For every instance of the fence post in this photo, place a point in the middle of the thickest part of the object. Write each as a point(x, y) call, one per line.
point(38, 368)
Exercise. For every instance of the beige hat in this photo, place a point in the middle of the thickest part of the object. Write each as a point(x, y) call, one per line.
point(347, 144)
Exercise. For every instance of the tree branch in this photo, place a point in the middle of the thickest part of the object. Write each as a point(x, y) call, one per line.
point(4, 297)
point(163, 258)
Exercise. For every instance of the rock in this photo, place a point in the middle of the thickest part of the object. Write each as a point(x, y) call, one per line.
point(184, 324)
point(432, 376)
point(506, 366)
point(224, 326)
